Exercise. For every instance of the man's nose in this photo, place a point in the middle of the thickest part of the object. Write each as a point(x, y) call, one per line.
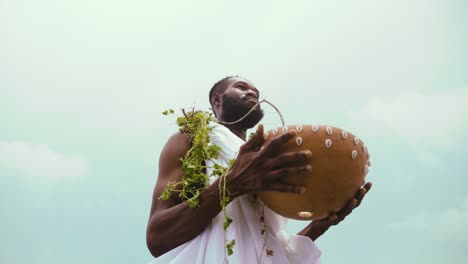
point(252, 94)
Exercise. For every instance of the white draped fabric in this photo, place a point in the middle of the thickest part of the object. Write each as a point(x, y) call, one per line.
point(251, 245)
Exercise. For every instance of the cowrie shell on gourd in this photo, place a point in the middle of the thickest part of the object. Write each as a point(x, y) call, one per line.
point(299, 128)
point(344, 134)
point(298, 141)
point(315, 128)
point(274, 131)
point(329, 130)
point(354, 154)
point(356, 141)
point(305, 214)
point(328, 143)
point(366, 170)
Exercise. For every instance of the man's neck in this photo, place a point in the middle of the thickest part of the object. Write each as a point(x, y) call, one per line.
point(238, 131)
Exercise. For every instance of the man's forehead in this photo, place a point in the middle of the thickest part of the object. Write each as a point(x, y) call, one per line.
point(236, 79)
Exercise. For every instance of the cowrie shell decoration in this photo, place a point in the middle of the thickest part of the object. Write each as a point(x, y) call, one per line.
point(356, 140)
point(298, 141)
point(299, 128)
point(315, 128)
point(305, 214)
point(344, 134)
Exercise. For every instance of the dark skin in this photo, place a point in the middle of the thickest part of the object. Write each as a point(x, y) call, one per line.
point(172, 222)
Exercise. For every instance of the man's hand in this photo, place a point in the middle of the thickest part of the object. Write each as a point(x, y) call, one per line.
point(263, 169)
point(318, 227)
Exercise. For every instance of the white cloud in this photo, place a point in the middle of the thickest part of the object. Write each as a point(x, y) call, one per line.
point(422, 120)
point(38, 160)
point(449, 225)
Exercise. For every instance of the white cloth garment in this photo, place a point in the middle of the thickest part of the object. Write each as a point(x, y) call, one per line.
point(246, 228)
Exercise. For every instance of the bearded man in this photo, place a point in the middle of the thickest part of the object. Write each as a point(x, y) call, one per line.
point(177, 233)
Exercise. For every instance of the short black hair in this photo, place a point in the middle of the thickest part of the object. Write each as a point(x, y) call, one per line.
point(220, 86)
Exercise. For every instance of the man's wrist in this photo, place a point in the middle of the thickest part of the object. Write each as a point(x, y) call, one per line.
point(314, 231)
point(234, 189)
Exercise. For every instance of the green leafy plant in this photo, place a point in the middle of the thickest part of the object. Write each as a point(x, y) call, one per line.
point(195, 124)
point(229, 246)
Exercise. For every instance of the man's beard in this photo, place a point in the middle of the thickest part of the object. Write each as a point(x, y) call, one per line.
point(234, 110)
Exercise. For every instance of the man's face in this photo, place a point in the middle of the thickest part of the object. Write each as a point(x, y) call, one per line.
point(240, 96)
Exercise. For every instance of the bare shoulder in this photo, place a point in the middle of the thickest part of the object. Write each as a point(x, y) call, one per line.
point(170, 168)
point(176, 147)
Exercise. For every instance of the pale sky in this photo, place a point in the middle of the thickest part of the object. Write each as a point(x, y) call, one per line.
point(83, 85)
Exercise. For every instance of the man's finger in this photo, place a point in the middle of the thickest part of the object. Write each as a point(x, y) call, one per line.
point(368, 186)
point(347, 209)
point(275, 144)
point(297, 158)
point(362, 192)
point(256, 141)
point(278, 187)
point(333, 217)
point(290, 171)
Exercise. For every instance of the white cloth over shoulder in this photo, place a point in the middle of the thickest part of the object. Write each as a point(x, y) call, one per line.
point(251, 245)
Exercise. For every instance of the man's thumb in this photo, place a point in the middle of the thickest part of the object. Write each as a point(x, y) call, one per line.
point(257, 140)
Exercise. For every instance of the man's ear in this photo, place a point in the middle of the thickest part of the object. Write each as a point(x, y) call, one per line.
point(216, 100)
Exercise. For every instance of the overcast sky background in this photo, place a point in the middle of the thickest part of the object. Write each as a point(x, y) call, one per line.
point(83, 85)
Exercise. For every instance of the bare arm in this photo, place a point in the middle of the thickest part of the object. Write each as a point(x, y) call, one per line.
point(172, 222)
